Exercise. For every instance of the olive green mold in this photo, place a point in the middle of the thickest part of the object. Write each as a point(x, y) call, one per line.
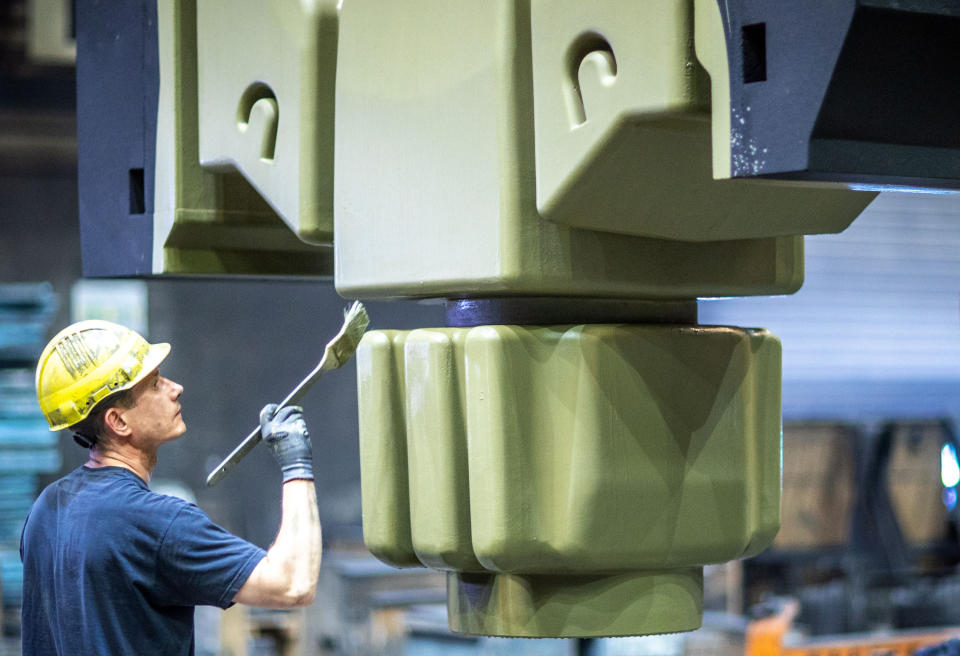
point(266, 75)
point(523, 147)
point(383, 461)
point(566, 606)
point(437, 167)
point(462, 170)
point(597, 451)
point(623, 132)
point(711, 49)
point(209, 221)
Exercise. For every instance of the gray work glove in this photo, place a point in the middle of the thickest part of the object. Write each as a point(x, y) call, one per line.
point(285, 432)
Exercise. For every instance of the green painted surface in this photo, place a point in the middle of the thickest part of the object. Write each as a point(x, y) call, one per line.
point(436, 410)
point(588, 450)
point(437, 172)
point(456, 164)
point(383, 448)
point(623, 141)
point(576, 606)
point(711, 48)
point(621, 447)
point(266, 75)
point(209, 221)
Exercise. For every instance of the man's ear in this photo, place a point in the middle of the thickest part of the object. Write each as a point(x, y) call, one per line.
point(113, 420)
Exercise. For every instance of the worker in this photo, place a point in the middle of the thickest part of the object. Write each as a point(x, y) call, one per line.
point(113, 568)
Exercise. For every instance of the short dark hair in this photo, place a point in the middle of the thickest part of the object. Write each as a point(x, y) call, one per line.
point(90, 430)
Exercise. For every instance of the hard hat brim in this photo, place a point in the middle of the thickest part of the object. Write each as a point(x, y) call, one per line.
point(156, 355)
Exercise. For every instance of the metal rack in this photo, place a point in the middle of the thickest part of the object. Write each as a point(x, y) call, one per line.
point(27, 447)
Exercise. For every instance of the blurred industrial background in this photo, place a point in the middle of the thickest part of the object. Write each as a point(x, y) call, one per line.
point(871, 399)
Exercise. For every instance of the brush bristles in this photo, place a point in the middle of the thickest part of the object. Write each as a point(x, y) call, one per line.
point(355, 322)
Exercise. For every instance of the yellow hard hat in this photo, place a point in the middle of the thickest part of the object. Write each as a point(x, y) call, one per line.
point(87, 361)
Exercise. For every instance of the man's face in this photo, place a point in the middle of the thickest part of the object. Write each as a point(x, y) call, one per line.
point(155, 417)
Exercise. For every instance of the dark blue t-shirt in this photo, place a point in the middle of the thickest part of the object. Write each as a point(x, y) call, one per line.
point(110, 567)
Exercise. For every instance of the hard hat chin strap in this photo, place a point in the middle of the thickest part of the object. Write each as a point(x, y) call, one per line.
point(83, 440)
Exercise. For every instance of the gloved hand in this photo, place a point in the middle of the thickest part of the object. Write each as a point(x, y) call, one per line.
point(286, 435)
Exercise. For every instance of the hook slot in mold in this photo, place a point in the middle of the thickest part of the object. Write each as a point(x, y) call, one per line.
point(258, 106)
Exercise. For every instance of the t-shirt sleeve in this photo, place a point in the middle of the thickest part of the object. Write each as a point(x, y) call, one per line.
point(199, 563)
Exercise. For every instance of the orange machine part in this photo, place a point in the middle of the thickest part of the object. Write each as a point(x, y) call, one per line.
point(765, 637)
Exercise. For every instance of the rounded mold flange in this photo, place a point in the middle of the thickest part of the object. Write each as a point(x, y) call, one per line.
point(565, 606)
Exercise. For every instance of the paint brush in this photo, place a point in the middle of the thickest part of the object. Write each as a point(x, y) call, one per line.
point(339, 349)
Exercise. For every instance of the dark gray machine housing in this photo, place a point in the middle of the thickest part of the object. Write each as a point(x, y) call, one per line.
point(118, 86)
point(859, 91)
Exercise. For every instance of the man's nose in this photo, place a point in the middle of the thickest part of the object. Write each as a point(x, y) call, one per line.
point(176, 389)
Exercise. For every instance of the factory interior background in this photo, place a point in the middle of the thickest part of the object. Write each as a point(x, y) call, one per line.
point(871, 400)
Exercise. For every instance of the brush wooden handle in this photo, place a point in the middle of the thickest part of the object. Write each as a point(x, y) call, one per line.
point(254, 437)
point(235, 456)
point(338, 350)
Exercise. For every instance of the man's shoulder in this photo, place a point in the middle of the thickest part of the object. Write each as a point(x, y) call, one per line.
point(113, 490)
point(156, 505)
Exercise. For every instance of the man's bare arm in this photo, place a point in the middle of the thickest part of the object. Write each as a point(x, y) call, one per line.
point(287, 577)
